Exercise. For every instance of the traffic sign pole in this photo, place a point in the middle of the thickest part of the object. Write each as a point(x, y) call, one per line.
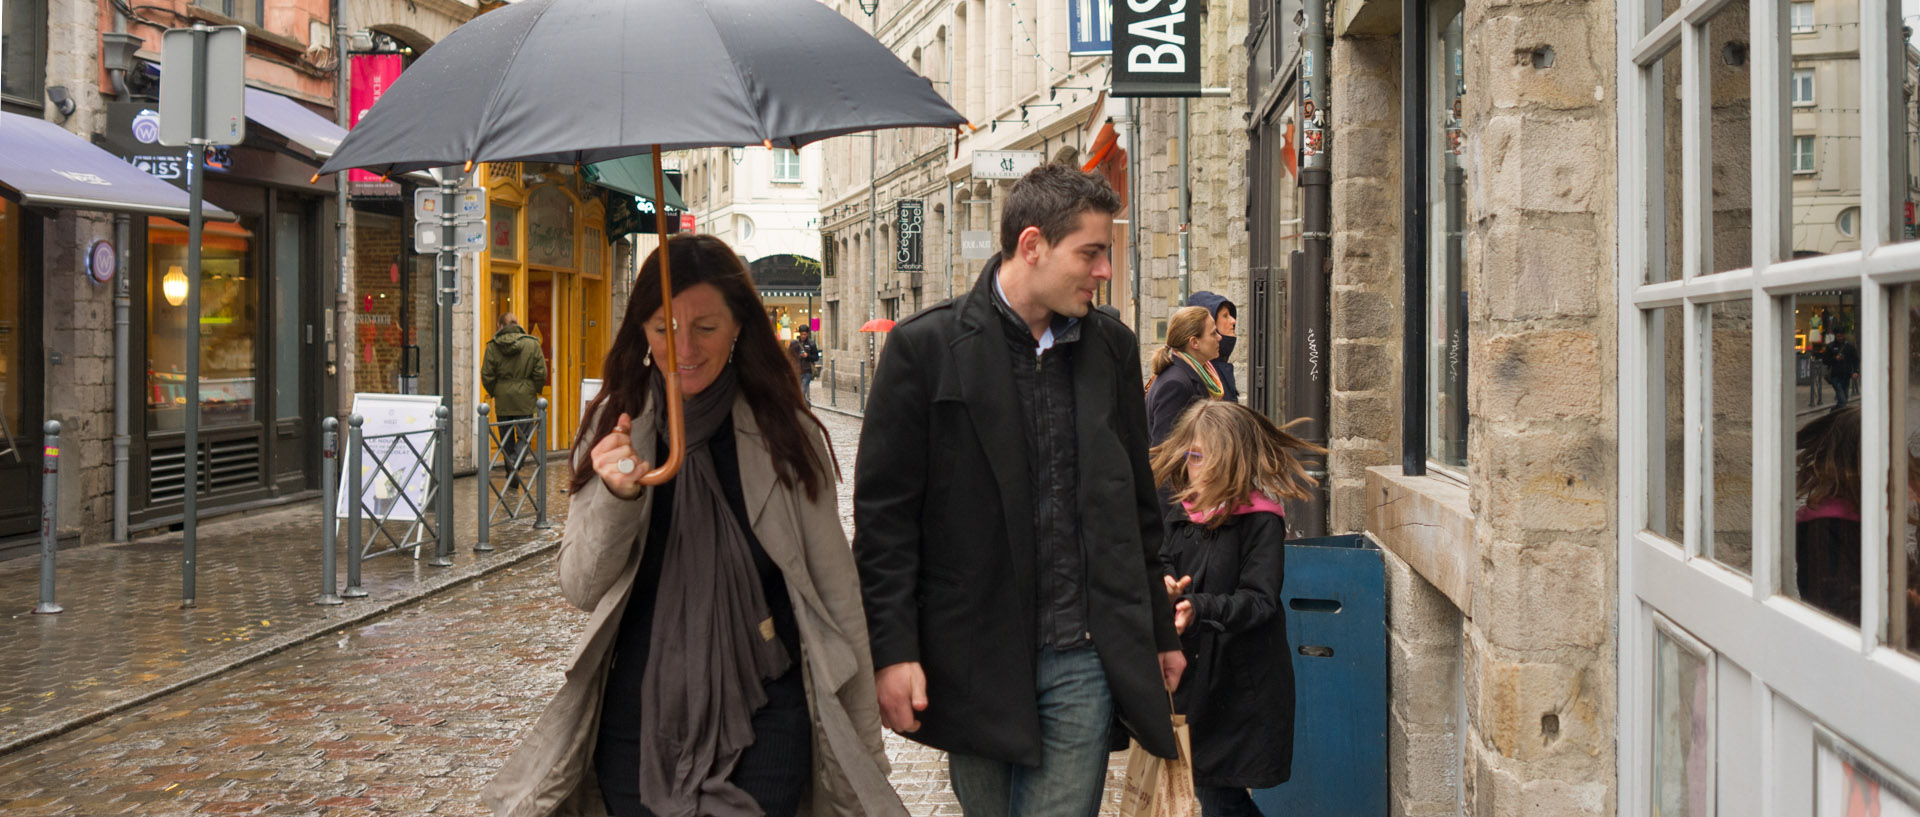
point(448, 282)
point(196, 177)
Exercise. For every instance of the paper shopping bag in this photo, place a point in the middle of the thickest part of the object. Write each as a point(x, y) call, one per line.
point(1156, 786)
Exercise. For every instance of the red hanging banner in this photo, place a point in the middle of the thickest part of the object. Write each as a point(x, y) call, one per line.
point(373, 74)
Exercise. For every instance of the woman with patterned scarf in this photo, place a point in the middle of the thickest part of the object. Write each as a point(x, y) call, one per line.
point(725, 670)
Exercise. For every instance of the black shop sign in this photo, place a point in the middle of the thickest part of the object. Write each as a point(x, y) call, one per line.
point(909, 216)
point(1156, 48)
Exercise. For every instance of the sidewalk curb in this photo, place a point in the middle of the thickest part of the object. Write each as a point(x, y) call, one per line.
point(541, 543)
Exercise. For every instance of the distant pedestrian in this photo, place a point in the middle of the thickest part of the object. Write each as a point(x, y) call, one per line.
point(1226, 320)
point(1843, 362)
point(1183, 372)
point(514, 372)
point(1005, 521)
point(1229, 467)
point(690, 692)
point(806, 357)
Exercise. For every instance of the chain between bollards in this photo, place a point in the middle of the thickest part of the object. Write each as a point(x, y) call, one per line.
point(329, 520)
point(443, 476)
point(49, 516)
point(356, 546)
point(540, 465)
point(483, 455)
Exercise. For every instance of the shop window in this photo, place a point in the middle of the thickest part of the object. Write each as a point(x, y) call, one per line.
point(1683, 725)
point(229, 322)
point(13, 388)
point(1730, 331)
point(1729, 79)
point(503, 227)
point(1823, 564)
point(550, 228)
point(1666, 442)
point(1446, 398)
point(1903, 545)
point(23, 52)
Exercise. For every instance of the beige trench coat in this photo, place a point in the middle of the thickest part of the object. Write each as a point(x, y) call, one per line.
point(551, 771)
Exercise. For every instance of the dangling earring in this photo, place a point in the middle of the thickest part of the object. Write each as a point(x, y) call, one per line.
point(649, 360)
point(732, 346)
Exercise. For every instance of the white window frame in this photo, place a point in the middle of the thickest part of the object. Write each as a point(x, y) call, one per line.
point(786, 167)
point(1808, 670)
point(1812, 143)
point(1812, 78)
point(1801, 26)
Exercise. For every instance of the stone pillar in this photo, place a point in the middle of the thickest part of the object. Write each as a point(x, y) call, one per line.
point(1541, 468)
point(1366, 320)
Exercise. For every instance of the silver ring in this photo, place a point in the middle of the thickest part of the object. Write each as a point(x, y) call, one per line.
point(625, 465)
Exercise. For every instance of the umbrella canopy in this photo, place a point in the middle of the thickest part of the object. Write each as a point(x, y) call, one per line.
point(633, 176)
point(581, 81)
point(877, 325)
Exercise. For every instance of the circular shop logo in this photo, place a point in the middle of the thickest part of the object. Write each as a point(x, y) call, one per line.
point(146, 126)
point(101, 262)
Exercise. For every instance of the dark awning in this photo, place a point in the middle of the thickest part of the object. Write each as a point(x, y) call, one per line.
point(312, 132)
point(50, 167)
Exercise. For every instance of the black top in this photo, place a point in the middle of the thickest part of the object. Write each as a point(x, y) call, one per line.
point(634, 642)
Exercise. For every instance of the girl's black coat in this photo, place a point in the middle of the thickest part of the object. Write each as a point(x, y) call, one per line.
point(1237, 693)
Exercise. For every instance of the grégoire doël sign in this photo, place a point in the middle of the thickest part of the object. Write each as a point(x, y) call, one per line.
point(1156, 49)
point(909, 216)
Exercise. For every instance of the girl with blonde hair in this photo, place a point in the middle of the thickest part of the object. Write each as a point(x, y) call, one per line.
point(1224, 558)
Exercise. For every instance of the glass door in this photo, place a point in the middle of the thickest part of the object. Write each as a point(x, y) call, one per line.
point(293, 330)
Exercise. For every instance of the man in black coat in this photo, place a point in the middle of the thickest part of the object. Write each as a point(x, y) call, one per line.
point(1006, 526)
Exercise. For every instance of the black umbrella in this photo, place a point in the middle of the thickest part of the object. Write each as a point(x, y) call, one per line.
point(577, 81)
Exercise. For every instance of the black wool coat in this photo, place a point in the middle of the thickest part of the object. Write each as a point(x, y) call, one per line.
point(1174, 390)
point(1237, 693)
point(944, 528)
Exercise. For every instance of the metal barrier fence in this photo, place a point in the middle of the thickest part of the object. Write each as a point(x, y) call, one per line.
point(513, 445)
point(391, 480)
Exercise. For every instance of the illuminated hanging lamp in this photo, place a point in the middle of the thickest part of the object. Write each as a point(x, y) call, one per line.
point(174, 285)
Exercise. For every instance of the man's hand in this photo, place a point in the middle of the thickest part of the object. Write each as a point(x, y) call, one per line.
point(1173, 663)
point(903, 691)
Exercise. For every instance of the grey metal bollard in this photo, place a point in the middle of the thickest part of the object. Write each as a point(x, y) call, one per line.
point(833, 382)
point(329, 521)
point(539, 444)
point(485, 482)
point(443, 475)
point(863, 385)
point(356, 546)
point(49, 516)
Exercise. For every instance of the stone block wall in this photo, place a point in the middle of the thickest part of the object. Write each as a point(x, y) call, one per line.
point(78, 329)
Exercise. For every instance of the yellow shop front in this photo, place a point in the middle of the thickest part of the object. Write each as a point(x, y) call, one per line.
point(547, 264)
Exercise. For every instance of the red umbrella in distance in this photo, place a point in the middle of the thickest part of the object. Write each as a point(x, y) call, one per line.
point(877, 325)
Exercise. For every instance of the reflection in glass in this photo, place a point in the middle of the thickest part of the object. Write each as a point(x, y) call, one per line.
point(1903, 557)
point(1823, 566)
point(10, 374)
point(1731, 134)
point(1446, 287)
point(1824, 88)
point(1731, 542)
point(1666, 457)
point(1682, 730)
point(1664, 180)
point(1906, 139)
point(229, 323)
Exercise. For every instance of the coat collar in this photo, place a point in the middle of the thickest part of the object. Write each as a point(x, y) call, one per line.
point(757, 477)
point(986, 378)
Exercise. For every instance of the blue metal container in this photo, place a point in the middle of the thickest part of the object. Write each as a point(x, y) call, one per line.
point(1336, 603)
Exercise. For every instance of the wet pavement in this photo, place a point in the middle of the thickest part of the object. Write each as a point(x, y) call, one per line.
point(125, 638)
point(408, 711)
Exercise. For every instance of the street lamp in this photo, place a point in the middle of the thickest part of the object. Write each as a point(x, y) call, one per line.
point(737, 154)
point(869, 6)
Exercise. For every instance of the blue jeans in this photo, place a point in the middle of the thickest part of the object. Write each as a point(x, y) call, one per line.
point(806, 387)
point(1075, 712)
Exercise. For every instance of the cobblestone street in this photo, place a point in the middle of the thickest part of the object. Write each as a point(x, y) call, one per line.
point(407, 713)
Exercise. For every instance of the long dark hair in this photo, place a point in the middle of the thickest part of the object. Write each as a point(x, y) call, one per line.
point(766, 375)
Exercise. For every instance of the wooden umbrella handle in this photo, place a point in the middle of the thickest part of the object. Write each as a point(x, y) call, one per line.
point(670, 371)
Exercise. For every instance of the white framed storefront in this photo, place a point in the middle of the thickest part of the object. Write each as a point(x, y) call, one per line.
point(1739, 693)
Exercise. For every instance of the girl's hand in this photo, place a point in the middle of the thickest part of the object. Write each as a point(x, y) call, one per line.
point(1176, 589)
point(608, 454)
point(1182, 616)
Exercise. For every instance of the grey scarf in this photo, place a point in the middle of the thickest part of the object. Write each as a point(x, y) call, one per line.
point(713, 644)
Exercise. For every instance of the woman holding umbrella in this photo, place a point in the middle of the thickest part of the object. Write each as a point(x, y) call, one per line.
point(725, 669)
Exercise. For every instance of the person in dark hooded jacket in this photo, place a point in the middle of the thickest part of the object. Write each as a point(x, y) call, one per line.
point(1226, 318)
point(513, 374)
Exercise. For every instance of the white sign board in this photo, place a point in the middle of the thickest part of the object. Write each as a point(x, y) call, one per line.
point(426, 204)
point(1004, 164)
point(224, 86)
point(471, 202)
point(976, 244)
point(389, 468)
point(589, 389)
point(426, 236)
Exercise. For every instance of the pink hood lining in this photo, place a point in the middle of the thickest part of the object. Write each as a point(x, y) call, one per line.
point(1832, 508)
point(1256, 503)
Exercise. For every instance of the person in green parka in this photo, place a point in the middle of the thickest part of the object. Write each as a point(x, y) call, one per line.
point(513, 374)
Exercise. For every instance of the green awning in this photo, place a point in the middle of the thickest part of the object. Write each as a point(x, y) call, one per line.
point(633, 176)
